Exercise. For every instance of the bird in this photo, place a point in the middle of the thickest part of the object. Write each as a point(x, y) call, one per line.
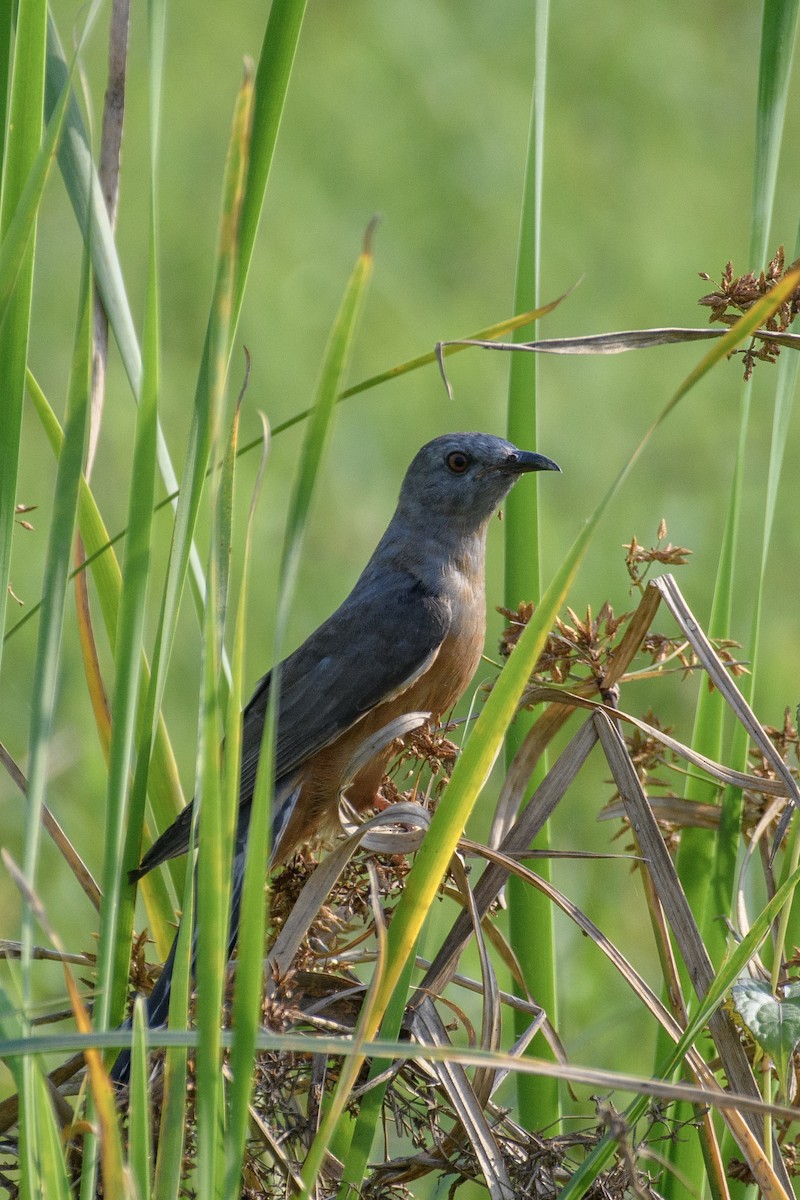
point(408, 638)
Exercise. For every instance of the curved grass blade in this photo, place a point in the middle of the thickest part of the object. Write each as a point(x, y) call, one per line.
point(483, 747)
point(445, 349)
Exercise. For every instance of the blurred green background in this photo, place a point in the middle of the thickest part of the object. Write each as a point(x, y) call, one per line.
point(419, 112)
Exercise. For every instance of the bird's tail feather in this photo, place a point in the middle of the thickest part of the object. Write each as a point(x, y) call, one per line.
point(158, 1000)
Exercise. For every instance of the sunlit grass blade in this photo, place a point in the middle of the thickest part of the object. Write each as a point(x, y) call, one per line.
point(485, 742)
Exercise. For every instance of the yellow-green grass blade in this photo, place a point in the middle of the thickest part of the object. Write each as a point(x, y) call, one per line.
point(484, 745)
point(444, 350)
point(46, 669)
point(163, 781)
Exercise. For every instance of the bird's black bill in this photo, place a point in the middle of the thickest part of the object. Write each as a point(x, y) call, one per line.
point(525, 460)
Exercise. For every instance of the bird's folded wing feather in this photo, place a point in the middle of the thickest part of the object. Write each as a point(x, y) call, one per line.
point(383, 637)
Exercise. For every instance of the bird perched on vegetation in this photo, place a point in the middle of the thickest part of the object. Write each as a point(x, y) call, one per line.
point(408, 638)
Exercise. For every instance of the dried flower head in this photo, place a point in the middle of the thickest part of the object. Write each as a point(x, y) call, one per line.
point(639, 556)
point(738, 293)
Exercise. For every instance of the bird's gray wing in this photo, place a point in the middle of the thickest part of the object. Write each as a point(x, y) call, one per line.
point(385, 635)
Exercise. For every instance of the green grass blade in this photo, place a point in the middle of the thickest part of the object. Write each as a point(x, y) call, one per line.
point(278, 50)
point(317, 433)
point(139, 1115)
point(530, 913)
point(778, 36)
point(217, 818)
point(46, 670)
point(272, 79)
point(85, 193)
point(163, 782)
point(43, 1170)
point(736, 963)
point(707, 864)
point(117, 909)
point(420, 360)
point(333, 366)
point(26, 70)
point(485, 742)
point(250, 950)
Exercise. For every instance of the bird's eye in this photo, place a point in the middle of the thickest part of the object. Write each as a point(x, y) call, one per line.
point(457, 462)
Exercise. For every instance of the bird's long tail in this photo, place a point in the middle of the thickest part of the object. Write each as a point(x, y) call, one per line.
point(286, 795)
point(159, 998)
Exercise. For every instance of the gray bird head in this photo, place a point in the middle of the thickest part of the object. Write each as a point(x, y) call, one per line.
point(464, 477)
